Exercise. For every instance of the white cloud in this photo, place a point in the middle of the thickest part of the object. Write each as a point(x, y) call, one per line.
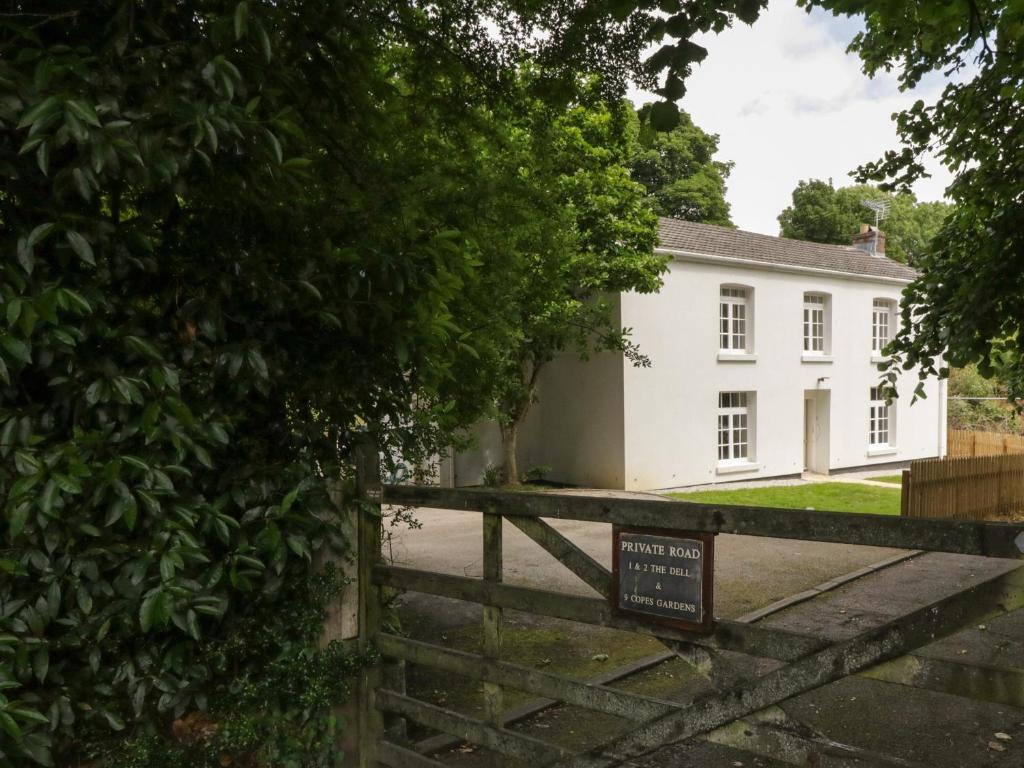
point(789, 103)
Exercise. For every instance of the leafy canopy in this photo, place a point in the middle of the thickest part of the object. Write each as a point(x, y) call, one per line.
point(679, 170)
point(239, 235)
point(823, 214)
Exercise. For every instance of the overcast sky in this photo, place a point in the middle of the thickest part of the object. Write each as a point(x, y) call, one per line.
point(789, 103)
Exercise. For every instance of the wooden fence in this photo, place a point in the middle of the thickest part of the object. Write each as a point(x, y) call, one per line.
point(969, 487)
point(963, 442)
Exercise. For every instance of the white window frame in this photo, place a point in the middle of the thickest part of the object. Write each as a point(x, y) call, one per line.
point(735, 430)
point(816, 330)
point(883, 324)
point(881, 420)
point(735, 319)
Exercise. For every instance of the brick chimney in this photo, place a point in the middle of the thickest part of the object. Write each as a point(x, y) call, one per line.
point(870, 240)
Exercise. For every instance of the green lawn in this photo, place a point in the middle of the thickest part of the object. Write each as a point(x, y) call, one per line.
point(894, 479)
point(831, 497)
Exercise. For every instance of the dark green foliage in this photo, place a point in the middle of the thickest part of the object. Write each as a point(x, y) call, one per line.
point(679, 170)
point(238, 235)
point(968, 303)
point(823, 214)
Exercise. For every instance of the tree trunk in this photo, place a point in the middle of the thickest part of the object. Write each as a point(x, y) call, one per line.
point(510, 459)
point(514, 412)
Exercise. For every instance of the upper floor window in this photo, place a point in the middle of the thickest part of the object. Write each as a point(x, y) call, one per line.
point(734, 319)
point(735, 444)
point(880, 423)
point(882, 311)
point(816, 331)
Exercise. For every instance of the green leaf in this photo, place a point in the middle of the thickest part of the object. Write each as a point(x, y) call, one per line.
point(13, 310)
point(75, 300)
point(131, 512)
point(84, 600)
point(82, 183)
point(41, 663)
point(43, 109)
point(16, 348)
point(113, 720)
point(48, 496)
point(82, 247)
point(135, 461)
point(43, 158)
point(11, 728)
point(18, 520)
point(39, 234)
point(241, 20)
point(167, 568)
point(26, 256)
point(83, 112)
point(153, 611)
point(265, 46)
point(275, 145)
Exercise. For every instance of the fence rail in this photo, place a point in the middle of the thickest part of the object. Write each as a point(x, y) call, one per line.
point(965, 488)
point(963, 442)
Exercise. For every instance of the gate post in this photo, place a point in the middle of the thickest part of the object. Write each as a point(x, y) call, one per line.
point(368, 500)
point(492, 619)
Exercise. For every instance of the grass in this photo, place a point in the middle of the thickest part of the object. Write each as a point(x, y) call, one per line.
point(894, 479)
point(830, 497)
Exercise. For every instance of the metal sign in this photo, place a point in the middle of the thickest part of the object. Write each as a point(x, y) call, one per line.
point(665, 576)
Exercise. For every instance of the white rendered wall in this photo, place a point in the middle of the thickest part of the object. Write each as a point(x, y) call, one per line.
point(670, 428)
point(575, 428)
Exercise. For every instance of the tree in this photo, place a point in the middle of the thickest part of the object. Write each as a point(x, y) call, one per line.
point(678, 169)
point(575, 229)
point(237, 238)
point(823, 214)
point(968, 304)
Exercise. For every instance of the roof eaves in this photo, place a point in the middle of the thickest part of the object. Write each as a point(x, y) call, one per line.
point(778, 267)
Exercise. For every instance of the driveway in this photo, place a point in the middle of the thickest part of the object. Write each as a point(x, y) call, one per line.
point(750, 572)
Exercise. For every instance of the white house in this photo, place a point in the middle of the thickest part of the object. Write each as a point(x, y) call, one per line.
point(765, 357)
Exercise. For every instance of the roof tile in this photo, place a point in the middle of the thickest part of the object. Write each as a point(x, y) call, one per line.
point(688, 236)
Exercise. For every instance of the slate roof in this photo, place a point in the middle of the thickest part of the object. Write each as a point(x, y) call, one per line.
point(707, 239)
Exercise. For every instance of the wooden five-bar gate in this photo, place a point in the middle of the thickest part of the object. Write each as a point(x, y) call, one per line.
point(808, 662)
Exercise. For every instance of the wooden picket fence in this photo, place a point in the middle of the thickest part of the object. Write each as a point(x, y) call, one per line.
point(966, 487)
point(963, 442)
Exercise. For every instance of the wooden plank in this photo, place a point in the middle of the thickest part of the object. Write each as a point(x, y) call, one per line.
point(368, 499)
point(591, 572)
point(395, 756)
point(982, 682)
point(942, 617)
point(437, 743)
point(492, 618)
point(468, 729)
point(971, 538)
point(728, 635)
point(481, 668)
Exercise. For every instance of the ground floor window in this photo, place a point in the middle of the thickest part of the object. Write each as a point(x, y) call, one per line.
point(879, 419)
point(735, 424)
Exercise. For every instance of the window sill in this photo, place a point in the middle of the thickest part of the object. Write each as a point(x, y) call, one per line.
point(737, 357)
point(879, 358)
point(728, 469)
point(882, 450)
point(805, 358)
